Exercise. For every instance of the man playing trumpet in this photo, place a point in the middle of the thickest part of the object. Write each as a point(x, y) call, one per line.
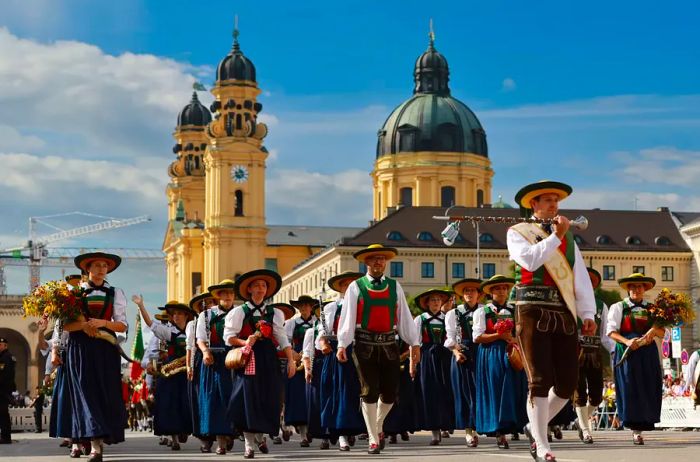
point(552, 289)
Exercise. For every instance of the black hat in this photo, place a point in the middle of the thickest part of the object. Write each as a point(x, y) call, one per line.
point(286, 308)
point(334, 282)
point(531, 191)
point(226, 284)
point(422, 298)
point(3, 340)
point(196, 302)
point(305, 299)
point(72, 277)
point(595, 277)
point(177, 306)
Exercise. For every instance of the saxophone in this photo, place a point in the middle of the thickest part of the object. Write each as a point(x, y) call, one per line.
point(174, 367)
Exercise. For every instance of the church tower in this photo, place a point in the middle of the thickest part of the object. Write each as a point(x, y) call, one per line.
point(185, 192)
point(234, 232)
point(432, 148)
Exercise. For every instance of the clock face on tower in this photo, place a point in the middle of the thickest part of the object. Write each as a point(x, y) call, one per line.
point(239, 174)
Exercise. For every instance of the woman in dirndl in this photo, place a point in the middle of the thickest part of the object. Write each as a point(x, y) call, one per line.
point(215, 383)
point(93, 365)
point(501, 391)
point(313, 362)
point(193, 359)
point(459, 324)
point(254, 403)
point(340, 386)
point(172, 415)
point(436, 411)
point(638, 380)
point(295, 405)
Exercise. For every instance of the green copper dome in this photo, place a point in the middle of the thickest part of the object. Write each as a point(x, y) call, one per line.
point(432, 120)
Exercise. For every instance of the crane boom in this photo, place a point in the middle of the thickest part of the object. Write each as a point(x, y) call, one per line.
point(88, 229)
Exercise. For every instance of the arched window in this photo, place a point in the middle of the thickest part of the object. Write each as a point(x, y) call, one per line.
point(406, 195)
point(407, 138)
point(447, 196)
point(485, 237)
point(479, 197)
point(603, 239)
point(425, 236)
point(239, 204)
point(395, 236)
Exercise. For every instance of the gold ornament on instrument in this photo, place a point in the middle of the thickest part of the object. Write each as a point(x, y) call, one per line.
point(174, 367)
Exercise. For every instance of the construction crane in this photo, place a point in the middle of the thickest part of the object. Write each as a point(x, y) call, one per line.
point(36, 253)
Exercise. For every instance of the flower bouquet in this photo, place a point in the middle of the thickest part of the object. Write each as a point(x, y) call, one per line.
point(54, 300)
point(667, 310)
point(504, 325)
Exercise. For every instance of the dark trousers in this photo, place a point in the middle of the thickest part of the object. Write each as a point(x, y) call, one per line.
point(590, 383)
point(548, 340)
point(38, 414)
point(379, 369)
point(5, 424)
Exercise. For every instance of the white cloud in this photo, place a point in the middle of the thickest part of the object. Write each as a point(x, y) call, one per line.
point(12, 140)
point(304, 197)
point(508, 84)
point(661, 165)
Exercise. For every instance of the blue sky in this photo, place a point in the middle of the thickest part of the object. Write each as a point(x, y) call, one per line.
point(602, 95)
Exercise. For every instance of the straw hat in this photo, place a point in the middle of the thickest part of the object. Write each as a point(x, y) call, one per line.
point(496, 280)
point(374, 250)
point(336, 281)
point(637, 278)
point(459, 286)
point(273, 280)
point(531, 191)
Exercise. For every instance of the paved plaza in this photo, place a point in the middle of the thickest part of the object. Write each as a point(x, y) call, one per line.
point(611, 446)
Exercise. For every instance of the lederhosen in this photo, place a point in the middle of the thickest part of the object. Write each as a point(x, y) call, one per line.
point(463, 375)
point(295, 406)
point(590, 372)
point(435, 410)
point(546, 329)
point(638, 386)
point(172, 407)
point(375, 353)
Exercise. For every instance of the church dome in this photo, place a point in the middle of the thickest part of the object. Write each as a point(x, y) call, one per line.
point(195, 113)
point(235, 66)
point(432, 120)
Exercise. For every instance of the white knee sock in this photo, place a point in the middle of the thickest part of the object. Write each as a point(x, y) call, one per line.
point(369, 412)
point(538, 413)
point(583, 420)
point(556, 404)
point(382, 411)
point(343, 441)
point(591, 411)
point(97, 445)
point(249, 440)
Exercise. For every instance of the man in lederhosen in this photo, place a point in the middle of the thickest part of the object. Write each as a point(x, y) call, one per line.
point(552, 290)
point(374, 310)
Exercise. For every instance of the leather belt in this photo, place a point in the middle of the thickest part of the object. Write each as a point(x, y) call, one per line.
point(588, 341)
point(375, 338)
point(538, 295)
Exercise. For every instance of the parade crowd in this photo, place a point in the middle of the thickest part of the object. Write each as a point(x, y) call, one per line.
point(493, 359)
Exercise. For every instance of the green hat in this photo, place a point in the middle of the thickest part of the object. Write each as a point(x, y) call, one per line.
point(422, 298)
point(637, 278)
point(273, 280)
point(375, 249)
point(462, 284)
point(496, 280)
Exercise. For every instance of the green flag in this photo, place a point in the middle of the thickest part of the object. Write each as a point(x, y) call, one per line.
point(137, 350)
point(197, 86)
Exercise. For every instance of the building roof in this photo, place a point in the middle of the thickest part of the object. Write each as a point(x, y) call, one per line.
point(609, 230)
point(316, 236)
point(195, 114)
point(686, 218)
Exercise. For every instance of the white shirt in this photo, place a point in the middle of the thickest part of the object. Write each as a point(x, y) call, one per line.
point(204, 318)
point(615, 316)
point(479, 327)
point(692, 364)
point(234, 324)
point(532, 257)
point(309, 348)
point(607, 342)
point(119, 307)
point(190, 335)
point(348, 318)
point(152, 351)
point(325, 325)
point(452, 326)
point(292, 323)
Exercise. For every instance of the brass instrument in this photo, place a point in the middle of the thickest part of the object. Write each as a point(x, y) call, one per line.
point(174, 367)
point(578, 223)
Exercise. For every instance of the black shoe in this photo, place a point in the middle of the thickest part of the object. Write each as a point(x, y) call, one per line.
point(182, 438)
point(588, 440)
point(362, 436)
point(547, 458)
point(445, 434)
point(382, 441)
point(392, 439)
point(434, 442)
point(276, 440)
point(249, 454)
point(557, 433)
point(344, 448)
point(325, 444)
point(404, 436)
point(229, 443)
point(374, 449)
point(75, 453)
point(263, 447)
point(286, 435)
point(580, 431)
point(533, 444)
point(95, 457)
point(175, 446)
point(304, 443)
point(502, 442)
point(515, 437)
point(351, 440)
point(549, 437)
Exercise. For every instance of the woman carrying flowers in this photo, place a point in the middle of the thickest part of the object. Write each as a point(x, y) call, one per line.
point(93, 364)
point(254, 404)
point(638, 377)
point(501, 391)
